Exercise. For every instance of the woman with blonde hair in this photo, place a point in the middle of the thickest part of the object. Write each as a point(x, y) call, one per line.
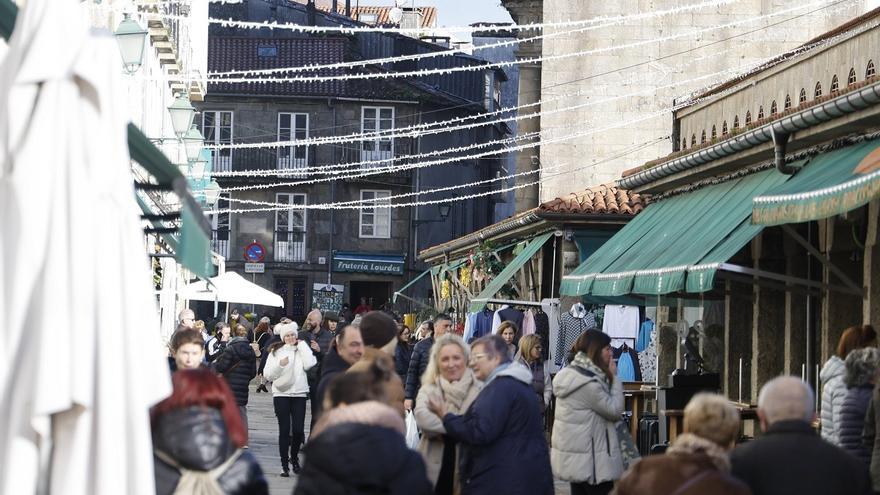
point(448, 378)
point(530, 353)
point(697, 461)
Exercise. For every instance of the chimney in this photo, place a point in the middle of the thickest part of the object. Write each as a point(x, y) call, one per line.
point(333, 6)
point(347, 8)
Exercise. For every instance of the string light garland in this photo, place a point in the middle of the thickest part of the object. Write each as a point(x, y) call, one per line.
point(449, 53)
point(501, 65)
point(372, 204)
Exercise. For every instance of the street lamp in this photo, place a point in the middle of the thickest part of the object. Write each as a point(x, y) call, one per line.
point(198, 166)
point(182, 114)
point(130, 39)
point(444, 213)
point(193, 141)
point(212, 193)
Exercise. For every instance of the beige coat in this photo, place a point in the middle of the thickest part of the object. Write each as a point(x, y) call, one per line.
point(431, 444)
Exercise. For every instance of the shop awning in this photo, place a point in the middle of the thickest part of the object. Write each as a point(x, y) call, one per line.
point(478, 302)
point(676, 244)
point(407, 286)
point(830, 184)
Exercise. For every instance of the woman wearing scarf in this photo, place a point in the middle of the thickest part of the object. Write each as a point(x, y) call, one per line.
point(449, 378)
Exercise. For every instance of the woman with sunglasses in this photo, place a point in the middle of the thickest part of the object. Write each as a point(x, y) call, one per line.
point(530, 353)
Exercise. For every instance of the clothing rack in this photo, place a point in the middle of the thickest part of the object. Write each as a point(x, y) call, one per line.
point(553, 302)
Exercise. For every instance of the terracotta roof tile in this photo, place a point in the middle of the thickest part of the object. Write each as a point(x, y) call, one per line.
point(605, 199)
point(429, 14)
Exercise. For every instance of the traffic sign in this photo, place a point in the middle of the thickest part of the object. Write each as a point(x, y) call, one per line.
point(254, 252)
point(254, 267)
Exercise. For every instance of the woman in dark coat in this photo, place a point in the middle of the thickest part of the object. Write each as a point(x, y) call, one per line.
point(403, 352)
point(859, 378)
point(238, 365)
point(262, 335)
point(198, 429)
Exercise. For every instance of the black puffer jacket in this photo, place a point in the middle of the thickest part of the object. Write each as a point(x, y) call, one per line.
point(196, 439)
point(238, 365)
point(355, 458)
point(852, 421)
point(418, 363)
point(402, 357)
point(331, 366)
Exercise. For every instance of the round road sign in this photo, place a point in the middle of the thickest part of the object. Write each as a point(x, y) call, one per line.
point(254, 252)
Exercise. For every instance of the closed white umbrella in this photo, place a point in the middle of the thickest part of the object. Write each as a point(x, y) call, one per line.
point(83, 361)
point(230, 287)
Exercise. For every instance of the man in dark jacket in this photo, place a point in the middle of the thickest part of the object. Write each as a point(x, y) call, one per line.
point(790, 458)
point(419, 360)
point(238, 365)
point(347, 350)
point(501, 436)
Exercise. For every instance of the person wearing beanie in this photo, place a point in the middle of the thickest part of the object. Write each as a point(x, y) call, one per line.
point(286, 367)
point(283, 325)
point(379, 333)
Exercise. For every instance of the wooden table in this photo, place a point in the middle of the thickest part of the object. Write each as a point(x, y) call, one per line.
point(676, 423)
point(636, 403)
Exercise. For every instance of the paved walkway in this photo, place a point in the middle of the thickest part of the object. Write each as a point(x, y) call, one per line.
point(263, 440)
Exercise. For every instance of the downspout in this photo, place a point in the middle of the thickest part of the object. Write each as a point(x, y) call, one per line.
point(332, 228)
point(780, 139)
point(843, 105)
point(414, 216)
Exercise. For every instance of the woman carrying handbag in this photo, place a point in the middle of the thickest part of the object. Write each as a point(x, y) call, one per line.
point(286, 367)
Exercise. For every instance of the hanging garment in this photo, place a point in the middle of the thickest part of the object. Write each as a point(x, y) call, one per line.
point(496, 319)
point(542, 330)
point(483, 323)
point(625, 368)
point(621, 322)
point(645, 332)
point(648, 360)
point(625, 351)
point(528, 326)
point(469, 323)
point(572, 324)
point(512, 315)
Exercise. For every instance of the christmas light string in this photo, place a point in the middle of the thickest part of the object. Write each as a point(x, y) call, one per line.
point(512, 63)
point(380, 204)
point(449, 53)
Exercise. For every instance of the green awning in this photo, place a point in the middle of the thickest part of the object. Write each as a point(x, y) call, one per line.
point(480, 301)
point(191, 247)
point(830, 184)
point(676, 244)
point(411, 282)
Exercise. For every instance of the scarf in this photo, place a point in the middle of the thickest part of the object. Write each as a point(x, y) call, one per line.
point(537, 368)
point(688, 443)
point(455, 393)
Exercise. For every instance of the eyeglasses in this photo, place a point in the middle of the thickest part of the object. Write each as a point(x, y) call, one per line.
point(476, 357)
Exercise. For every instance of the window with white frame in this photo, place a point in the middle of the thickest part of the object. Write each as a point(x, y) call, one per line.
point(220, 226)
point(291, 127)
point(488, 90)
point(380, 147)
point(290, 227)
point(217, 129)
point(375, 214)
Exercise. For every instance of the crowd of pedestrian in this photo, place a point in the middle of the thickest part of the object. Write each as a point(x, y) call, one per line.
point(477, 413)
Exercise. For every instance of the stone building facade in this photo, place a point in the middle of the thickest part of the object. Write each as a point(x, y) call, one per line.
point(638, 81)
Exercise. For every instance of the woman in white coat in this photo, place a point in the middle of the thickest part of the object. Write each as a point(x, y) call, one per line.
point(286, 368)
point(447, 377)
point(585, 450)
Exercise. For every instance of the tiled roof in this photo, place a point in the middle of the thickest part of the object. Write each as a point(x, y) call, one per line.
point(598, 200)
point(232, 53)
point(429, 14)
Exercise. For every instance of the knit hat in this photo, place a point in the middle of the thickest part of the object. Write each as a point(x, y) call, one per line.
point(283, 329)
point(331, 316)
point(264, 319)
point(377, 329)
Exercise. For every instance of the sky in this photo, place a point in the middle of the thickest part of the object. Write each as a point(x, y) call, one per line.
point(455, 12)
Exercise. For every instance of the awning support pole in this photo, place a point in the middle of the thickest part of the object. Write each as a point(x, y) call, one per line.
point(786, 278)
point(823, 259)
point(398, 294)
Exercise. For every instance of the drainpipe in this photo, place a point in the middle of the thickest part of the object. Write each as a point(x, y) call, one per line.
point(332, 200)
point(780, 139)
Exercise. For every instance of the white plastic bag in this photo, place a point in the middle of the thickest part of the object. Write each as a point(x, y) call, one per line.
point(412, 431)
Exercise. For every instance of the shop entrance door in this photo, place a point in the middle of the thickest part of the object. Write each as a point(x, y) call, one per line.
point(376, 293)
point(293, 292)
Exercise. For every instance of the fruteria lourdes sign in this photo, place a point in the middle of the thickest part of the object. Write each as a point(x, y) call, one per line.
point(387, 264)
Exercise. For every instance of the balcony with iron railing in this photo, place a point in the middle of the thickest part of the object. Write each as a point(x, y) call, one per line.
point(220, 242)
point(299, 162)
point(290, 245)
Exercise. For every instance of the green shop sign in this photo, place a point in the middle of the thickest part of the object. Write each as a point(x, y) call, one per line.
point(368, 263)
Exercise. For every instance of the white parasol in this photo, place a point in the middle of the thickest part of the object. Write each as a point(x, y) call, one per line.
point(83, 361)
point(232, 288)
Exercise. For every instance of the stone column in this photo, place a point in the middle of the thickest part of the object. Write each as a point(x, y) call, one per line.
point(737, 339)
point(526, 12)
point(768, 315)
